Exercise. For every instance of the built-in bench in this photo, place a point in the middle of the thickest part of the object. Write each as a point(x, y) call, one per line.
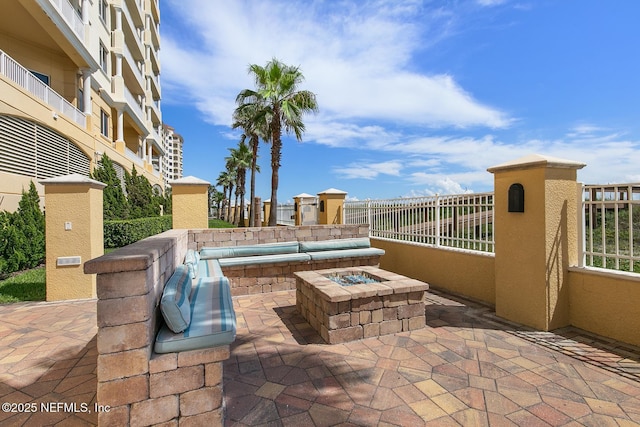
point(142, 386)
point(269, 267)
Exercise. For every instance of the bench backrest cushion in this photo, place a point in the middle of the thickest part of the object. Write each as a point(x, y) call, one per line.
point(191, 260)
point(175, 304)
point(249, 250)
point(209, 268)
point(335, 244)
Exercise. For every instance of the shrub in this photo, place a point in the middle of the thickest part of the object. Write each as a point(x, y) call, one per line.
point(22, 238)
point(124, 232)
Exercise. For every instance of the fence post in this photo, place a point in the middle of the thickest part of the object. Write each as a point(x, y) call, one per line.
point(74, 234)
point(582, 235)
point(331, 206)
point(536, 210)
point(189, 197)
point(437, 233)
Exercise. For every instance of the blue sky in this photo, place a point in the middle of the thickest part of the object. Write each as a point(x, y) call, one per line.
point(415, 97)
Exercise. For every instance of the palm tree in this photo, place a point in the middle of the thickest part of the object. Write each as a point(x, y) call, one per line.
point(242, 160)
point(225, 180)
point(279, 101)
point(254, 127)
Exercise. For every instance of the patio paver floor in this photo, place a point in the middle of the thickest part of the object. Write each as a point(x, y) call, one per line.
point(467, 367)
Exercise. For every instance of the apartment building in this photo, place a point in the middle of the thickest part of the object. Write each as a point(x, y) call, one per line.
point(79, 79)
point(172, 166)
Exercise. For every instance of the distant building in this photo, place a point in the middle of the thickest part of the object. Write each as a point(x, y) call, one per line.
point(172, 166)
point(78, 79)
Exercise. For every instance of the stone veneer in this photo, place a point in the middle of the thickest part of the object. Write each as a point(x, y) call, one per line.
point(186, 388)
point(348, 313)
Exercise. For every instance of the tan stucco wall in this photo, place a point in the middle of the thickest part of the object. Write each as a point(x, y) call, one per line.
point(85, 239)
point(462, 272)
point(606, 303)
point(190, 206)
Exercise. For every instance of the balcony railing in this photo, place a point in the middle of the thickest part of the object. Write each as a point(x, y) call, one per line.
point(25, 79)
point(71, 16)
point(460, 221)
point(611, 226)
point(133, 157)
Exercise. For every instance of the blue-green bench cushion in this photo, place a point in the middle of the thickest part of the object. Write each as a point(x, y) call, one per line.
point(249, 250)
point(345, 253)
point(335, 244)
point(174, 303)
point(213, 320)
point(209, 268)
point(191, 260)
point(263, 259)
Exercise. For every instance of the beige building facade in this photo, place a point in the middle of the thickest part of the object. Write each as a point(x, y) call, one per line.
point(79, 79)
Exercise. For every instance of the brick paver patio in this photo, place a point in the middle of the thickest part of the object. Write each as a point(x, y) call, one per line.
point(467, 367)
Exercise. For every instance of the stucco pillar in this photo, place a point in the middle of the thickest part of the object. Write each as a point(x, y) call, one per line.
point(331, 206)
point(267, 211)
point(189, 198)
point(303, 214)
point(74, 235)
point(536, 237)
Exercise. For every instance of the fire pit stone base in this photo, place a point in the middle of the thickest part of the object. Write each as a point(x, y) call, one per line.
point(394, 303)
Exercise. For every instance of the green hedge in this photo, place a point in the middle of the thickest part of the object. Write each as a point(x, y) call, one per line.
point(124, 232)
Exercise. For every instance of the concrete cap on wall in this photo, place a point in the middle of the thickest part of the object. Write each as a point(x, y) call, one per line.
point(189, 180)
point(332, 191)
point(73, 179)
point(536, 160)
point(303, 196)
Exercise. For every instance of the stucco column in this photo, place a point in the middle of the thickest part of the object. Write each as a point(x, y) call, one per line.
point(300, 201)
point(190, 201)
point(331, 206)
point(536, 237)
point(267, 212)
point(74, 235)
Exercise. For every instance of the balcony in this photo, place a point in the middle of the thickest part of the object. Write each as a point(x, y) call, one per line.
point(70, 16)
point(26, 80)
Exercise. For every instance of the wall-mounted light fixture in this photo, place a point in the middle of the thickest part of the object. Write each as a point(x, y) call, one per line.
point(516, 198)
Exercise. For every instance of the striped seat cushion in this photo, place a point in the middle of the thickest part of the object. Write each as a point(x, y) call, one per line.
point(192, 260)
point(213, 320)
point(250, 250)
point(345, 253)
point(209, 268)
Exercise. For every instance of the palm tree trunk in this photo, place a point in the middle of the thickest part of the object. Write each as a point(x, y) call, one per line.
point(276, 148)
point(254, 160)
point(228, 218)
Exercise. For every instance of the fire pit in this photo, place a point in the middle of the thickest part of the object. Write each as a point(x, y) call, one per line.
point(347, 304)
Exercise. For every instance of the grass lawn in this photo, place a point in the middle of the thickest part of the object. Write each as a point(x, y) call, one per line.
point(25, 286)
point(218, 223)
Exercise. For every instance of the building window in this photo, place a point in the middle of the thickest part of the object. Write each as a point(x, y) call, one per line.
point(80, 100)
point(102, 10)
point(104, 123)
point(42, 77)
point(104, 58)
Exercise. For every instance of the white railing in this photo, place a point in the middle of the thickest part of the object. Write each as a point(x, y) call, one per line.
point(459, 221)
point(71, 16)
point(133, 157)
point(611, 220)
point(285, 215)
point(15, 72)
point(134, 103)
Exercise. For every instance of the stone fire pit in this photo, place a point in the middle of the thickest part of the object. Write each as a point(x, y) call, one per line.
point(392, 303)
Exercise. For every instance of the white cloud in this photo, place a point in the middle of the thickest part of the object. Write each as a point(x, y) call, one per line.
point(365, 170)
point(355, 56)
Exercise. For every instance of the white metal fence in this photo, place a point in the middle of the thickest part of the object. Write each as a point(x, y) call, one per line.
point(460, 221)
point(611, 219)
point(285, 214)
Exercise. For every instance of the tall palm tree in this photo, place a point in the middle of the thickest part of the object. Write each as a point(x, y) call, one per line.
point(231, 170)
point(225, 180)
point(278, 99)
point(241, 160)
point(254, 126)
